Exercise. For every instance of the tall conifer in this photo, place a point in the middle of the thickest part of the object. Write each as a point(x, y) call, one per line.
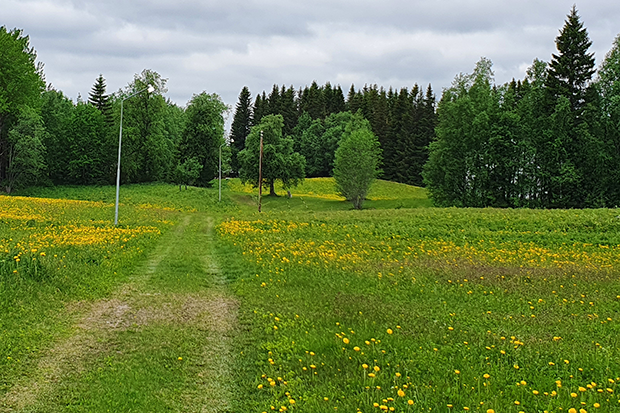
point(240, 128)
point(98, 98)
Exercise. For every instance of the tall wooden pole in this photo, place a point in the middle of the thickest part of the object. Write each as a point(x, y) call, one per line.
point(260, 173)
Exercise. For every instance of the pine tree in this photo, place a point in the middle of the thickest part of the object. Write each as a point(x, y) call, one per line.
point(240, 128)
point(98, 98)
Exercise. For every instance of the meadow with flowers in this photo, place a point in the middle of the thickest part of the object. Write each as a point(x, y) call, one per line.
point(396, 308)
point(54, 252)
point(417, 310)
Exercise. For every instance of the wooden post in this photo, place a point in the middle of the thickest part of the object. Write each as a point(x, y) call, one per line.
point(260, 172)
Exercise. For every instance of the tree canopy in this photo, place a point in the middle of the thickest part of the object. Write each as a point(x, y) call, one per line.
point(279, 161)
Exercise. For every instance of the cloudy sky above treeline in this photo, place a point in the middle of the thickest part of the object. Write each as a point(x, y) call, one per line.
point(221, 46)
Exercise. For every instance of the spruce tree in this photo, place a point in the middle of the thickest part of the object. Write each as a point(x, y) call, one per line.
point(98, 98)
point(288, 109)
point(572, 68)
point(568, 78)
point(261, 108)
point(240, 128)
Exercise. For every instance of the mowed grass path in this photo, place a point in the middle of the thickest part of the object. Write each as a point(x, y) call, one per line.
point(160, 342)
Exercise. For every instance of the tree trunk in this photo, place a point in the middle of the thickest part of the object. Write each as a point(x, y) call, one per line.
point(272, 189)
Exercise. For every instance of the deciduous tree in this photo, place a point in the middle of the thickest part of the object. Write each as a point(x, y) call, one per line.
point(356, 163)
point(204, 133)
point(279, 161)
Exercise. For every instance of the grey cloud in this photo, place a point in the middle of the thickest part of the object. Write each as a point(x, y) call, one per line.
point(221, 46)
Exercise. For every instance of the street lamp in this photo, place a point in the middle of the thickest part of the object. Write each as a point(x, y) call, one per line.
point(149, 89)
point(220, 200)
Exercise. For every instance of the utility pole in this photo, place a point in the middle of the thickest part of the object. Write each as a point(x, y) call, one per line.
point(220, 198)
point(260, 172)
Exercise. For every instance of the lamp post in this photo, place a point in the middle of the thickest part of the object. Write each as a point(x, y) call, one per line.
point(149, 89)
point(220, 200)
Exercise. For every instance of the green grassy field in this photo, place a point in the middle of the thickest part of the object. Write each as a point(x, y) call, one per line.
point(398, 307)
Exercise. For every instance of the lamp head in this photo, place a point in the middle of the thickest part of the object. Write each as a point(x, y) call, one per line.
point(150, 89)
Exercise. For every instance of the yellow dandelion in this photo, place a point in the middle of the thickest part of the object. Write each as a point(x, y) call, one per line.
point(389, 331)
point(401, 393)
point(410, 402)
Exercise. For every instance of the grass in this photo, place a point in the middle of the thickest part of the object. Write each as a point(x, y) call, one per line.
point(398, 307)
point(442, 309)
point(318, 194)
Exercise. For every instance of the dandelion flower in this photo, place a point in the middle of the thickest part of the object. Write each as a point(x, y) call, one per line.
point(401, 393)
point(389, 331)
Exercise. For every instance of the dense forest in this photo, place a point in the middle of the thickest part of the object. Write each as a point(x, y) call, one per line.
point(550, 140)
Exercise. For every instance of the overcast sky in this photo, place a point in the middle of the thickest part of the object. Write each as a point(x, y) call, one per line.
point(220, 46)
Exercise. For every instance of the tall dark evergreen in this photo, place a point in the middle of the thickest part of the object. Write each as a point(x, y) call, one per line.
point(354, 100)
point(288, 109)
point(98, 98)
point(571, 70)
point(261, 108)
point(241, 125)
point(312, 101)
point(568, 78)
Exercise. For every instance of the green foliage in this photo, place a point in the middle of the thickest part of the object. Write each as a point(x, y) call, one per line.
point(26, 153)
point(148, 152)
point(279, 161)
point(90, 147)
point(21, 85)
point(607, 84)
point(98, 98)
point(241, 124)
point(356, 163)
point(572, 68)
point(57, 114)
point(188, 172)
point(203, 134)
point(21, 82)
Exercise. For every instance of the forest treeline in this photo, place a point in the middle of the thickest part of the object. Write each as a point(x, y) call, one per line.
point(403, 120)
point(550, 140)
